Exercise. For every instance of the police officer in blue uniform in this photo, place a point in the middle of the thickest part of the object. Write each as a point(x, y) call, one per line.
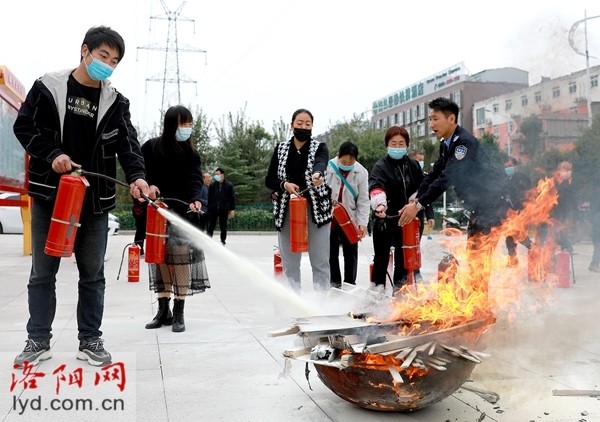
point(464, 164)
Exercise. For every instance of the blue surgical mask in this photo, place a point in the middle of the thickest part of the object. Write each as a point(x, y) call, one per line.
point(396, 153)
point(217, 177)
point(345, 168)
point(98, 70)
point(183, 133)
point(510, 171)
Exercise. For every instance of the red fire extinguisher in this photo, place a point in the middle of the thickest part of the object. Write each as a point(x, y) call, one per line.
point(156, 234)
point(65, 215)
point(277, 263)
point(133, 266)
point(563, 268)
point(298, 224)
point(348, 226)
point(411, 249)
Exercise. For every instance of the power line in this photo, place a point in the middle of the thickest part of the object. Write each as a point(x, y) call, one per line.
point(171, 77)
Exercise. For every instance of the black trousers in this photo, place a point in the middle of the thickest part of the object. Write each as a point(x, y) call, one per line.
point(350, 252)
point(212, 223)
point(387, 233)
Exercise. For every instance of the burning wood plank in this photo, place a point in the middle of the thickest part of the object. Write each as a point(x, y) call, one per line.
point(459, 353)
point(414, 341)
point(284, 331)
point(590, 393)
point(347, 360)
point(395, 374)
point(293, 353)
point(409, 359)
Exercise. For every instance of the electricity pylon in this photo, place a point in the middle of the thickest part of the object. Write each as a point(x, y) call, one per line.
point(172, 77)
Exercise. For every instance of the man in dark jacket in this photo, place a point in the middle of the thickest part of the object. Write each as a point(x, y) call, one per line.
point(463, 164)
point(221, 204)
point(75, 119)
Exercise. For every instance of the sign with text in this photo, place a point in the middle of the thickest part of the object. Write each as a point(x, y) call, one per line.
point(429, 85)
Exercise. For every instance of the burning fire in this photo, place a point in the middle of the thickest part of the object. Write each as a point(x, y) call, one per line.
point(461, 293)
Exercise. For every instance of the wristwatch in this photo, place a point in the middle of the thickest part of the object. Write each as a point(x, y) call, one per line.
point(418, 205)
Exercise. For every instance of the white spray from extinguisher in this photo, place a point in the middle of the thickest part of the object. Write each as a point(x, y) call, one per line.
point(247, 271)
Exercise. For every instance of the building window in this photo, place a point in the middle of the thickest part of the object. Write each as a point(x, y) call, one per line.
point(594, 80)
point(496, 131)
point(572, 88)
point(387, 121)
point(401, 118)
point(507, 105)
point(556, 92)
point(408, 119)
point(538, 97)
point(496, 108)
point(524, 100)
point(396, 118)
point(456, 98)
point(480, 116)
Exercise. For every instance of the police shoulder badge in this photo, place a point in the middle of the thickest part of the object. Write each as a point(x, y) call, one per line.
point(460, 152)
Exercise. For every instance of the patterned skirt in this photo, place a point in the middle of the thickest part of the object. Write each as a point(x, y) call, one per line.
point(184, 272)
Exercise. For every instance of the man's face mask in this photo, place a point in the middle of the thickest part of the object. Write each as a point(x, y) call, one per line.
point(97, 69)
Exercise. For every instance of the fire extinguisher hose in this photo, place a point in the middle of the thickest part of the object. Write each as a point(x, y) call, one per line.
point(123, 258)
point(117, 181)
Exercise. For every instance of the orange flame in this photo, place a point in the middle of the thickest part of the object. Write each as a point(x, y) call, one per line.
point(461, 292)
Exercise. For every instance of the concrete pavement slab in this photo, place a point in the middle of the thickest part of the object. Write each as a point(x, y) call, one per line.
point(225, 367)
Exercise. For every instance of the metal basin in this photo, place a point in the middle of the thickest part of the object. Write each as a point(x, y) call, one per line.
point(372, 386)
point(375, 366)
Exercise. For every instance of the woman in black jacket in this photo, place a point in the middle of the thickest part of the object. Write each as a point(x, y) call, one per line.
point(173, 169)
point(297, 164)
point(392, 181)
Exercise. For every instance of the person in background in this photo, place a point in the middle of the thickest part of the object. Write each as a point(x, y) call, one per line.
point(349, 182)
point(203, 218)
point(221, 204)
point(518, 185)
point(464, 164)
point(138, 210)
point(392, 181)
point(173, 168)
point(297, 164)
point(74, 119)
point(566, 209)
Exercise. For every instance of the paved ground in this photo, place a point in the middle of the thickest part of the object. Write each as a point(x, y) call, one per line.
point(226, 368)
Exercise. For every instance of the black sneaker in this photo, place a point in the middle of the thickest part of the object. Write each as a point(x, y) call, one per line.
point(35, 351)
point(93, 351)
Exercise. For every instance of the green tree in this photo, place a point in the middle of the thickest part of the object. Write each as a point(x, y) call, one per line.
point(244, 152)
point(370, 141)
point(531, 142)
point(497, 157)
point(586, 159)
point(202, 141)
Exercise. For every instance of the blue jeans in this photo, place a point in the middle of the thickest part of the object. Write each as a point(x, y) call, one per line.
point(89, 249)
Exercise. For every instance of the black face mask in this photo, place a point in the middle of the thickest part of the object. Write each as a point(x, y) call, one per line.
point(302, 135)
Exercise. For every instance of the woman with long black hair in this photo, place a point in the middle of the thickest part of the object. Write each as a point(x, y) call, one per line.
point(173, 170)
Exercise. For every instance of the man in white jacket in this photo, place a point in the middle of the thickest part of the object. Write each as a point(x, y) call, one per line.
point(349, 182)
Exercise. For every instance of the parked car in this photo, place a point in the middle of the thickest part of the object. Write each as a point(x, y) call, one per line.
point(11, 222)
point(113, 224)
point(10, 217)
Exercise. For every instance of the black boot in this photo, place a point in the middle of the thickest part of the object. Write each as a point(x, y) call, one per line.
point(178, 322)
point(163, 316)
